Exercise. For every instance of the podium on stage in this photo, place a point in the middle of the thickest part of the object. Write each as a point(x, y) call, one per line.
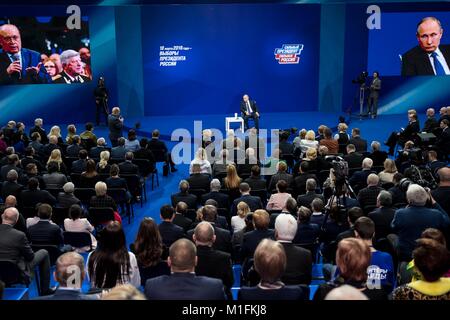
point(235, 119)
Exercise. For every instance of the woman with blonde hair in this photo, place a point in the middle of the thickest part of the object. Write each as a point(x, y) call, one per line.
point(387, 175)
point(56, 131)
point(238, 221)
point(202, 160)
point(232, 180)
point(308, 142)
point(301, 136)
point(102, 165)
point(71, 132)
point(55, 156)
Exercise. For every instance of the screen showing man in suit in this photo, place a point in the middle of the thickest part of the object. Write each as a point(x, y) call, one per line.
point(429, 57)
point(34, 51)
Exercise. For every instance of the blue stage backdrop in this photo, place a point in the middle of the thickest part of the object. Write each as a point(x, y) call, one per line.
point(224, 51)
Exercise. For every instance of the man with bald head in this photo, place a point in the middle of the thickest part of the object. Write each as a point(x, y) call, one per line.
point(429, 57)
point(431, 123)
point(19, 65)
point(183, 283)
point(210, 262)
point(11, 202)
point(115, 125)
point(14, 246)
point(442, 192)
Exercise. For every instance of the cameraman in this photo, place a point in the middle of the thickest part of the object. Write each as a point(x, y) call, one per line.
point(421, 213)
point(101, 100)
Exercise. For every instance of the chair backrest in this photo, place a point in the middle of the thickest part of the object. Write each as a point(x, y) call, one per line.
point(145, 167)
point(78, 239)
point(59, 214)
point(160, 155)
point(84, 194)
point(100, 216)
point(191, 214)
point(75, 177)
point(28, 212)
point(118, 194)
point(133, 183)
point(10, 274)
point(53, 251)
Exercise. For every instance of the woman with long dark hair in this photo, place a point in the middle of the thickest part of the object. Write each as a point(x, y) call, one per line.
point(111, 264)
point(150, 251)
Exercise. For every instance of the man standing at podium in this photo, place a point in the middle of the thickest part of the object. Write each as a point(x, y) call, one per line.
point(249, 109)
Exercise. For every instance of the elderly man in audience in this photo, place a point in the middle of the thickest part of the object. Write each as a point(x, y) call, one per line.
point(298, 260)
point(11, 202)
point(211, 262)
point(367, 197)
point(377, 155)
point(307, 198)
point(101, 146)
point(382, 216)
point(70, 274)
point(410, 222)
point(67, 198)
point(11, 186)
point(358, 180)
point(183, 283)
point(431, 123)
point(253, 202)
point(223, 200)
point(184, 195)
point(14, 246)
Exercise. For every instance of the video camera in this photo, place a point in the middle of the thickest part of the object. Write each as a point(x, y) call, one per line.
point(362, 78)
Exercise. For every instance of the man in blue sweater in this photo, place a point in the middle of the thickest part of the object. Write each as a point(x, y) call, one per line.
point(410, 222)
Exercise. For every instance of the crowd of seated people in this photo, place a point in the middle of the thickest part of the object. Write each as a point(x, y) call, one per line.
point(275, 224)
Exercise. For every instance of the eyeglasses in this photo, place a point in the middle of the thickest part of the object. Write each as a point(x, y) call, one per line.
point(8, 39)
point(425, 37)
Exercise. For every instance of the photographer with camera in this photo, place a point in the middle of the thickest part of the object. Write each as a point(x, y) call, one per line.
point(422, 212)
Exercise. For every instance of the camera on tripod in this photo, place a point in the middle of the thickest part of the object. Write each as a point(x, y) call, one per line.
point(362, 78)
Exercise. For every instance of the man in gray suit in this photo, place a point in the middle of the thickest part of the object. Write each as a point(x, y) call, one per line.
point(374, 92)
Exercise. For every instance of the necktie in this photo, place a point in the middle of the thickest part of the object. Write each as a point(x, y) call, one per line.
point(437, 65)
point(248, 107)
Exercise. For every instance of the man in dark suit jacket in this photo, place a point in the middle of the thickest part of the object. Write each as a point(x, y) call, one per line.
point(10, 186)
point(45, 232)
point(431, 123)
point(160, 150)
point(128, 167)
point(79, 166)
point(307, 198)
point(383, 215)
point(19, 65)
point(378, 156)
point(222, 199)
point(184, 196)
point(74, 148)
point(68, 289)
point(443, 141)
point(32, 195)
point(261, 220)
point(13, 164)
point(180, 219)
point(353, 158)
point(169, 231)
point(72, 68)
point(210, 262)
point(198, 180)
point(280, 175)
point(115, 125)
point(356, 140)
point(14, 246)
point(101, 146)
point(249, 109)
point(368, 196)
point(253, 202)
point(38, 122)
point(358, 179)
point(223, 236)
point(183, 284)
point(298, 260)
point(411, 129)
point(255, 181)
point(429, 57)
point(300, 180)
point(119, 151)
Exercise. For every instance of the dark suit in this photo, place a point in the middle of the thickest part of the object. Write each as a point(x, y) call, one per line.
point(67, 294)
point(298, 265)
point(222, 199)
point(253, 202)
point(368, 196)
point(443, 142)
point(45, 232)
point(170, 233)
point(66, 200)
point(378, 157)
point(300, 182)
point(360, 144)
point(73, 150)
point(441, 195)
point(42, 133)
point(146, 154)
point(10, 188)
point(118, 152)
point(307, 233)
point(410, 131)
point(374, 93)
point(187, 198)
point(416, 62)
point(215, 264)
point(359, 179)
point(280, 176)
point(354, 159)
point(95, 151)
point(306, 199)
point(30, 198)
point(286, 147)
point(223, 238)
point(6, 168)
point(184, 286)
point(128, 167)
point(252, 113)
point(382, 217)
point(115, 126)
point(79, 166)
point(65, 78)
point(256, 183)
point(430, 125)
point(27, 160)
point(252, 239)
point(199, 181)
point(182, 221)
point(30, 58)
